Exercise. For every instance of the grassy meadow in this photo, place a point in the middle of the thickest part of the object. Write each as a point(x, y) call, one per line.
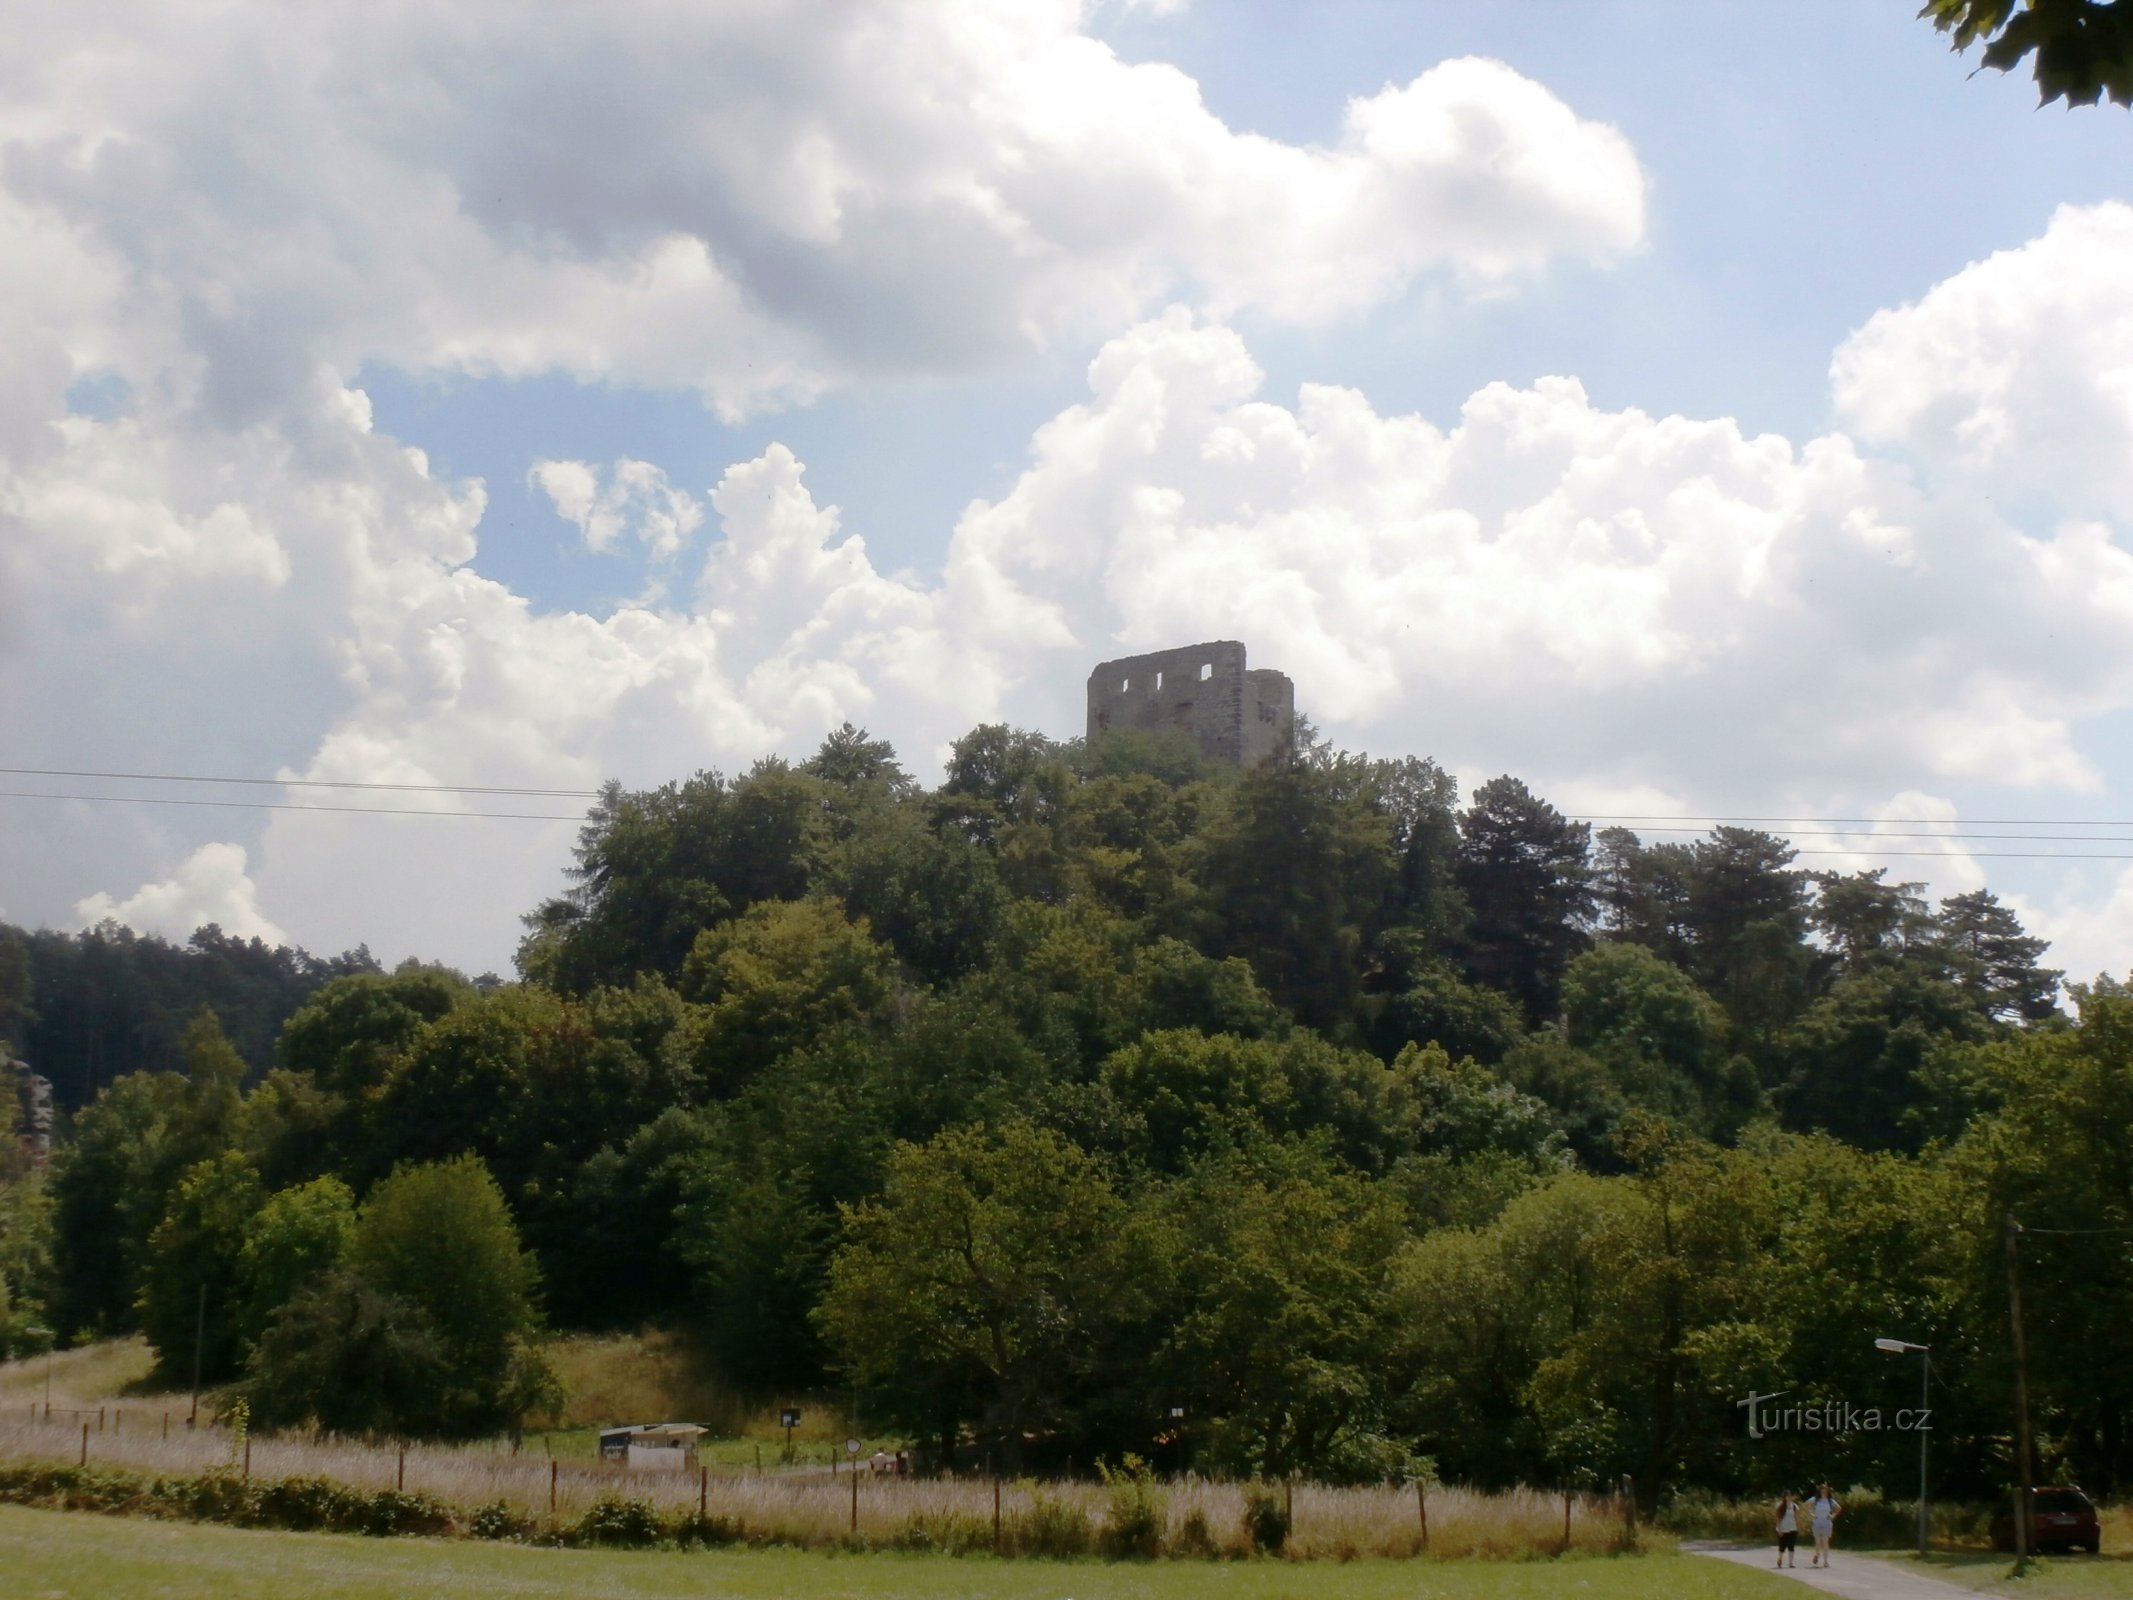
point(54, 1556)
point(2050, 1577)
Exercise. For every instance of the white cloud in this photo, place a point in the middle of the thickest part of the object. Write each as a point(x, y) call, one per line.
point(232, 570)
point(753, 200)
point(209, 886)
point(636, 498)
point(2015, 375)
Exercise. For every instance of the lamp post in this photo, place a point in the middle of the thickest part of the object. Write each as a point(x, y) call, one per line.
point(1903, 1347)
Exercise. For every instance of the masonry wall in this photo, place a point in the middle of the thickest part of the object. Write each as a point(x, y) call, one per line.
point(1203, 690)
point(1269, 713)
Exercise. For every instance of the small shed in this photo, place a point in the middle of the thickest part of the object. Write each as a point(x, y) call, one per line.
point(652, 1445)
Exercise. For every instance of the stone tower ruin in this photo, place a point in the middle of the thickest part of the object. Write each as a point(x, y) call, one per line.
point(1204, 690)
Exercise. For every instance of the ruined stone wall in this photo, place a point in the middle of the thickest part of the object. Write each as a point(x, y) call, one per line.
point(1269, 714)
point(1203, 690)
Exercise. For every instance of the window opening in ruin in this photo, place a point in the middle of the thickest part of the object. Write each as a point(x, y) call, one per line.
point(1124, 684)
point(1207, 670)
point(1159, 680)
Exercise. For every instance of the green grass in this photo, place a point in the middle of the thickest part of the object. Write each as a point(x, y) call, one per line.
point(2050, 1577)
point(52, 1555)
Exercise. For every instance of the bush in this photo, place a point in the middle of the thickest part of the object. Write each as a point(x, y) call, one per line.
point(211, 1497)
point(496, 1520)
point(393, 1511)
point(953, 1533)
point(1195, 1538)
point(307, 1504)
point(1136, 1512)
point(72, 1488)
point(613, 1520)
point(1266, 1520)
point(709, 1530)
point(1051, 1527)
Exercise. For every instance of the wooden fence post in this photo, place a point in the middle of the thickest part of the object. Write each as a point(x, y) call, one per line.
point(99, 1419)
point(85, 1444)
point(166, 1426)
point(855, 1501)
point(247, 1458)
point(400, 1475)
point(703, 1491)
point(995, 1516)
point(1566, 1520)
point(1422, 1509)
point(554, 1467)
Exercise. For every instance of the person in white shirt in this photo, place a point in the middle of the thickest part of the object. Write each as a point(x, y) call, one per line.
point(1822, 1514)
point(1788, 1528)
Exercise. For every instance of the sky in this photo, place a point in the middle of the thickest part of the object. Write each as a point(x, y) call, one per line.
point(1713, 410)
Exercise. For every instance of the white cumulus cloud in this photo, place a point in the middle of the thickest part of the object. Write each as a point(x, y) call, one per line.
point(635, 498)
point(209, 886)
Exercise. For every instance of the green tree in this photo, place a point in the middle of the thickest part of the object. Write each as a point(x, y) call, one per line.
point(1994, 961)
point(1861, 1062)
point(980, 1288)
point(114, 1178)
point(1298, 871)
point(294, 1240)
point(1277, 1338)
point(193, 1262)
point(656, 868)
point(779, 977)
point(1661, 1038)
point(347, 1356)
point(2083, 48)
point(440, 1239)
point(1526, 871)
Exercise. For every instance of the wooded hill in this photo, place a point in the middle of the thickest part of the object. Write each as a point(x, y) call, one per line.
point(1375, 1132)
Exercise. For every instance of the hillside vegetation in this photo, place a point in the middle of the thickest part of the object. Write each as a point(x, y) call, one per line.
point(1103, 1102)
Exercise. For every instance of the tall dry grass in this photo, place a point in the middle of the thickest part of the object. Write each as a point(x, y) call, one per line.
point(650, 1376)
point(813, 1507)
point(92, 1375)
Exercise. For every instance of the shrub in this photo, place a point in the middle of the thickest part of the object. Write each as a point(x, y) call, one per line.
point(72, 1488)
point(497, 1520)
point(613, 1520)
point(1051, 1526)
point(954, 1533)
point(394, 1511)
point(211, 1497)
point(1195, 1538)
point(1135, 1511)
point(1266, 1520)
point(700, 1529)
point(305, 1504)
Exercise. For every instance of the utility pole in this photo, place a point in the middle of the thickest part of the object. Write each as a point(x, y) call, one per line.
point(2027, 1493)
point(199, 1348)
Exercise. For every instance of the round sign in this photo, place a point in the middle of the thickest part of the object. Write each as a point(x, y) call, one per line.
point(851, 1447)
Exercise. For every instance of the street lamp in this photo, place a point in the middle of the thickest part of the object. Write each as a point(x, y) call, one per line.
point(1903, 1347)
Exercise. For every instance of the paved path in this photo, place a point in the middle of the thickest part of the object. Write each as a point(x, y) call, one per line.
point(1860, 1577)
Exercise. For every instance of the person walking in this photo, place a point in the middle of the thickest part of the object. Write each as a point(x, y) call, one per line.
point(1822, 1513)
point(1788, 1527)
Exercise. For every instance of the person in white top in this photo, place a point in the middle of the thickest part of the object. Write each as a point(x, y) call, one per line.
point(1822, 1514)
point(1788, 1529)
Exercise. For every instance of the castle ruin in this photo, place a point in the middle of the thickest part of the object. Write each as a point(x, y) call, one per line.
point(1204, 690)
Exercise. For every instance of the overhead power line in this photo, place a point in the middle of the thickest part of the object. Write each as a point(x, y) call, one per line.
point(1654, 818)
point(293, 783)
point(283, 805)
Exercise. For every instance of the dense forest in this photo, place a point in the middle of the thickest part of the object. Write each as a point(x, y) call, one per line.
point(1105, 1100)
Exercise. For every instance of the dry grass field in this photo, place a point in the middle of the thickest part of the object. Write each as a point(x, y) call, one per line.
point(813, 1507)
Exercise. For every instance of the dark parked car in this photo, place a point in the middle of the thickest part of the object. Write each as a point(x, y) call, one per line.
point(2060, 1519)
